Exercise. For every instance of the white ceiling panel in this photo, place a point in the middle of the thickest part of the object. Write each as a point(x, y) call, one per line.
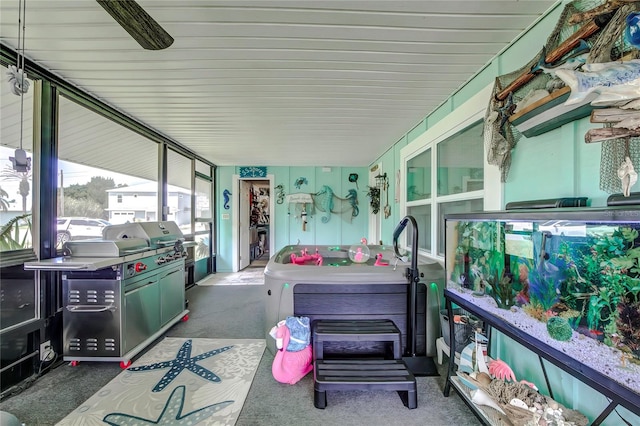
point(263, 82)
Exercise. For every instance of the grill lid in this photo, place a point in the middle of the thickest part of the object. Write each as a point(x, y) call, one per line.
point(157, 234)
point(104, 248)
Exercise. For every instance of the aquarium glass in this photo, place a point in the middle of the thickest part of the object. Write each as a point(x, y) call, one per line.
point(585, 274)
point(465, 206)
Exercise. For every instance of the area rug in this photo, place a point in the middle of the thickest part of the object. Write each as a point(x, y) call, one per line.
point(178, 382)
point(244, 277)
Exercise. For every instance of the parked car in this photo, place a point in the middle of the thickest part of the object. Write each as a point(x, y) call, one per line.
point(78, 228)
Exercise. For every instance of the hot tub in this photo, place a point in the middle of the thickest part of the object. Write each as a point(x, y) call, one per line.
point(343, 289)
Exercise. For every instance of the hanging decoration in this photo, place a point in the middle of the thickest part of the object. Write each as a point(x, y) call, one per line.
point(353, 178)
point(253, 172)
point(279, 194)
point(226, 194)
point(374, 199)
point(19, 86)
point(326, 201)
point(302, 205)
point(300, 181)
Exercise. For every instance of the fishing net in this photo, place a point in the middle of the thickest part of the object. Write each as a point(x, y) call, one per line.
point(612, 155)
point(500, 137)
point(327, 202)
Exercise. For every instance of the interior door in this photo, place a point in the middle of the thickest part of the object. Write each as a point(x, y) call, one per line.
point(243, 225)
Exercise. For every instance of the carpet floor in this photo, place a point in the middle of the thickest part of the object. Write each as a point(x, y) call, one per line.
point(178, 382)
point(237, 312)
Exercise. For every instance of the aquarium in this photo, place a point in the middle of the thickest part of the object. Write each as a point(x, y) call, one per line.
point(568, 277)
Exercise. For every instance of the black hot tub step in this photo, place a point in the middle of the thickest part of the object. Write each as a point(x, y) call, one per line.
point(345, 375)
point(377, 330)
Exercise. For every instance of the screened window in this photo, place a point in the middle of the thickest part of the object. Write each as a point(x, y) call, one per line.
point(18, 287)
point(419, 176)
point(460, 162)
point(444, 176)
point(179, 172)
point(107, 174)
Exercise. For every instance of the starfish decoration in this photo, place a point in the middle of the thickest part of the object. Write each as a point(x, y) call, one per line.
point(171, 413)
point(183, 360)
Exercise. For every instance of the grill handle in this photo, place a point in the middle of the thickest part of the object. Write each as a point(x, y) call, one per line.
point(167, 243)
point(133, 251)
point(89, 308)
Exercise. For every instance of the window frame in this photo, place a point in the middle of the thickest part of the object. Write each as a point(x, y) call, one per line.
point(462, 118)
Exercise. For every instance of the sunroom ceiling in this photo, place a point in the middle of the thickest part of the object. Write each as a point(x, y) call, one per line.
point(264, 82)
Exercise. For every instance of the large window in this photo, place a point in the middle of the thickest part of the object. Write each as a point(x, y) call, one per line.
point(444, 172)
point(179, 172)
point(16, 179)
point(107, 174)
point(18, 288)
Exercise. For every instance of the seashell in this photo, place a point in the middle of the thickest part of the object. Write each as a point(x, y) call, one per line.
point(554, 405)
point(483, 378)
point(474, 375)
point(519, 403)
point(480, 397)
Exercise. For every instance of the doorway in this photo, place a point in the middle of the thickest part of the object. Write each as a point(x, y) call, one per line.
point(253, 222)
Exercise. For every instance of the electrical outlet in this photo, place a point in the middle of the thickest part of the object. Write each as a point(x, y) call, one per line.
point(45, 348)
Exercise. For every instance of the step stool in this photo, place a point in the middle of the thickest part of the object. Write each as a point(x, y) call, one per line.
point(355, 331)
point(359, 374)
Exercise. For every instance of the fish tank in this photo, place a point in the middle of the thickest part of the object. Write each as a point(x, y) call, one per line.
point(567, 277)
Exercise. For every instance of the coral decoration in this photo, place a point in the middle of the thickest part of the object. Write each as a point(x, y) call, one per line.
point(559, 328)
point(500, 370)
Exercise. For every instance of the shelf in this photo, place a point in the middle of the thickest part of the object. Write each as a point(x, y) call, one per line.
point(487, 415)
point(616, 392)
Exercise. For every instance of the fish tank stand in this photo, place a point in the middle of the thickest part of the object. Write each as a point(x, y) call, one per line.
point(568, 237)
point(618, 394)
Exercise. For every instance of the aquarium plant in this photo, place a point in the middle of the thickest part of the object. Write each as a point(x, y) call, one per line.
point(616, 257)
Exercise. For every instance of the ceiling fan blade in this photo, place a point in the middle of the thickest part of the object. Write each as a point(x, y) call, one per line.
point(138, 23)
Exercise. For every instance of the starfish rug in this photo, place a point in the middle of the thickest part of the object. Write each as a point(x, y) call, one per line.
point(177, 382)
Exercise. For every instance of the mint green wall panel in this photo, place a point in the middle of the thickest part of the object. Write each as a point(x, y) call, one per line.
point(439, 113)
point(224, 262)
point(294, 211)
point(542, 167)
point(353, 229)
point(327, 225)
point(526, 47)
point(390, 166)
point(417, 130)
point(281, 218)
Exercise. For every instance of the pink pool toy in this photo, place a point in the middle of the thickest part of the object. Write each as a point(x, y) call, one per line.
point(305, 257)
point(379, 261)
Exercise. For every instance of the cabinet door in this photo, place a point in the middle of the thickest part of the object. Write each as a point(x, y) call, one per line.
point(142, 317)
point(171, 293)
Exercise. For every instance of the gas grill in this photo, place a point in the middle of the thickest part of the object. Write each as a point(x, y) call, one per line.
point(120, 292)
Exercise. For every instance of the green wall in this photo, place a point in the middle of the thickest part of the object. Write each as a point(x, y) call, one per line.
point(552, 165)
point(335, 229)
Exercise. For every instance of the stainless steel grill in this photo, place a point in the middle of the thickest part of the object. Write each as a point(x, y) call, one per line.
point(120, 292)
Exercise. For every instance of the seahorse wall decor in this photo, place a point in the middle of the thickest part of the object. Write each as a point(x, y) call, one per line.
point(280, 194)
point(325, 200)
point(226, 194)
